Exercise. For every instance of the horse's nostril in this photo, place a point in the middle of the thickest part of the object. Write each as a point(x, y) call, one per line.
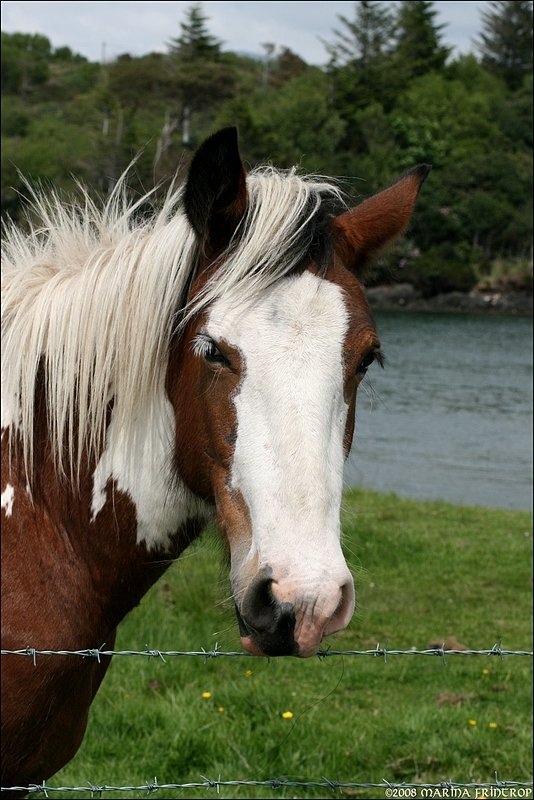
point(344, 611)
point(259, 606)
point(270, 624)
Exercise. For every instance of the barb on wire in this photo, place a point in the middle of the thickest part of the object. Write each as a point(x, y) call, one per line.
point(380, 651)
point(271, 783)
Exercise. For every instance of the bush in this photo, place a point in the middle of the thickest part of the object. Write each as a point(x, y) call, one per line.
point(442, 268)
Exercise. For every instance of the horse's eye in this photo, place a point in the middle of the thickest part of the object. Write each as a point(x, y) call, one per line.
point(365, 363)
point(206, 348)
point(213, 354)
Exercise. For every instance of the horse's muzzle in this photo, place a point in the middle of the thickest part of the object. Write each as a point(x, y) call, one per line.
point(270, 625)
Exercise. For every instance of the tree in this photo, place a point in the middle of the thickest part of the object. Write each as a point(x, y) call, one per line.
point(476, 207)
point(506, 40)
point(270, 50)
point(418, 47)
point(25, 62)
point(195, 42)
point(366, 39)
point(290, 125)
point(360, 67)
point(287, 65)
point(199, 75)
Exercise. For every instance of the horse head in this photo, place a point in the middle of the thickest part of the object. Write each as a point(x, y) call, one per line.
point(263, 379)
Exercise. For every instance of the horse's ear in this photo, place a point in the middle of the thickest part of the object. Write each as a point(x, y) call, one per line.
point(379, 219)
point(215, 197)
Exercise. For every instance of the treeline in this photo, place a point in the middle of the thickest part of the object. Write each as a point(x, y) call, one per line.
point(391, 96)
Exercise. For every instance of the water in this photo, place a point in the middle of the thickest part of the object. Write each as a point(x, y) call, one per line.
point(450, 416)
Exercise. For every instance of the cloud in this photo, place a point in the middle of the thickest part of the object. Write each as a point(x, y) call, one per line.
point(140, 27)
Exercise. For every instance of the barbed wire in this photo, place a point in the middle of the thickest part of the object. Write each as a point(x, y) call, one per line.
point(273, 783)
point(215, 652)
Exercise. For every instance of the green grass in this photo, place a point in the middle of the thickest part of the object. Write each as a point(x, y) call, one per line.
point(424, 572)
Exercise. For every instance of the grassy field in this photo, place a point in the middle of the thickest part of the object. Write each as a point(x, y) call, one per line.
point(424, 572)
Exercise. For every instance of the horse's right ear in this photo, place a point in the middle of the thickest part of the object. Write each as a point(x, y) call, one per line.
point(216, 192)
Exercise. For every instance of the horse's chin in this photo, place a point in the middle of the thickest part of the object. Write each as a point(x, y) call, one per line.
point(251, 646)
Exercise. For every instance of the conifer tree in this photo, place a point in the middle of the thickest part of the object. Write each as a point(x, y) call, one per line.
point(195, 42)
point(367, 37)
point(418, 49)
point(198, 75)
point(506, 40)
point(359, 58)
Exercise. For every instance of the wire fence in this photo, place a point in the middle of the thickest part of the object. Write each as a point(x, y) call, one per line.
point(444, 789)
point(379, 651)
point(498, 788)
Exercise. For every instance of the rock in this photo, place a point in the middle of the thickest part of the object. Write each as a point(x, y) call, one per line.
point(399, 295)
point(405, 296)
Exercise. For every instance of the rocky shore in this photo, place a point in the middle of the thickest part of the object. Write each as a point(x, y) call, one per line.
point(403, 296)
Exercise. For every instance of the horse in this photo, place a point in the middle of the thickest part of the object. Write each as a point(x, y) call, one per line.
point(161, 370)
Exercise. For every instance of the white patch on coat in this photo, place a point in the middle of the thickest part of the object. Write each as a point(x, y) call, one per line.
point(7, 498)
point(10, 413)
point(291, 417)
point(140, 465)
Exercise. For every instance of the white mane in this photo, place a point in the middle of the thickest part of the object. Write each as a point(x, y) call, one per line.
point(92, 295)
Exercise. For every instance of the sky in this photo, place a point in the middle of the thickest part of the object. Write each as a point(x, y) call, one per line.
point(104, 30)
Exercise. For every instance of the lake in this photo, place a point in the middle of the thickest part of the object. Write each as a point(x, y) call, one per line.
point(450, 416)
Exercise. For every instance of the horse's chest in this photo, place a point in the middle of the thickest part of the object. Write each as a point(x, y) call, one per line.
point(44, 713)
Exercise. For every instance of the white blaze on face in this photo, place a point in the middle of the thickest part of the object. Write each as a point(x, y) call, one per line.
point(288, 459)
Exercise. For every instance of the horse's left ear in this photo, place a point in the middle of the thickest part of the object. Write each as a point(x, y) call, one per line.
point(215, 197)
point(366, 229)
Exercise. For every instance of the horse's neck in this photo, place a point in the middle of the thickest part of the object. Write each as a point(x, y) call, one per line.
point(139, 462)
point(144, 515)
point(116, 529)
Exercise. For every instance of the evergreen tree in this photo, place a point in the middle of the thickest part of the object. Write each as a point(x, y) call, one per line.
point(25, 62)
point(195, 42)
point(360, 62)
point(506, 40)
point(365, 39)
point(418, 49)
point(288, 65)
point(199, 77)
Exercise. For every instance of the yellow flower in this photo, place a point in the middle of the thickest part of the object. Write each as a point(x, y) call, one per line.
point(247, 673)
point(492, 725)
point(473, 723)
point(485, 672)
point(287, 715)
point(221, 709)
point(206, 695)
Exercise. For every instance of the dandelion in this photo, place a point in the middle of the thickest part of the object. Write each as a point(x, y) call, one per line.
point(287, 715)
point(473, 723)
point(206, 695)
point(492, 725)
point(247, 673)
point(221, 709)
point(485, 672)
